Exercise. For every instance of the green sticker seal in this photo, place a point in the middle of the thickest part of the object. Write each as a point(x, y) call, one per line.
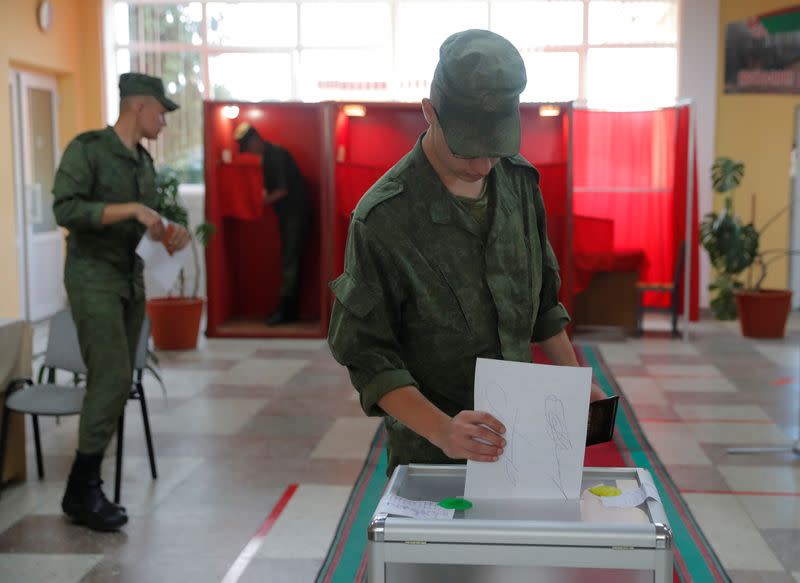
point(455, 504)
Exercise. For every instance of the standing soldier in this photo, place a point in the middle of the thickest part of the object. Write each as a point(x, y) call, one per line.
point(105, 195)
point(283, 189)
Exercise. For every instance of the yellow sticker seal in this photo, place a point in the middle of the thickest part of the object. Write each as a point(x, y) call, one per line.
point(605, 491)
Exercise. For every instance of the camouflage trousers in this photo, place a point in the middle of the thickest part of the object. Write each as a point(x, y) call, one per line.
point(108, 332)
point(294, 231)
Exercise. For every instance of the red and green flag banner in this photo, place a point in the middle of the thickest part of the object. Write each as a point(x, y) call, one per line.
point(762, 53)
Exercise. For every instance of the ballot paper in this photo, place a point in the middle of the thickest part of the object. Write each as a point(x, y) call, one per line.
point(399, 506)
point(162, 266)
point(544, 409)
point(631, 498)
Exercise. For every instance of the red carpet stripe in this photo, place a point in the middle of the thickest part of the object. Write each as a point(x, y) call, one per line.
point(251, 548)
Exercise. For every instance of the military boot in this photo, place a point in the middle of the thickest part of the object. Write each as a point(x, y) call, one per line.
point(84, 501)
point(286, 312)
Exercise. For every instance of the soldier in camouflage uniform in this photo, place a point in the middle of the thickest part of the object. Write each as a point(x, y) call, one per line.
point(105, 196)
point(285, 192)
point(448, 260)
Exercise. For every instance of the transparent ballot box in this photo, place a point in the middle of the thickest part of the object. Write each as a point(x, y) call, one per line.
point(515, 541)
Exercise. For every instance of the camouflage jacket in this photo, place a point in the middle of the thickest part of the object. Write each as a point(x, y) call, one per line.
point(423, 294)
point(97, 169)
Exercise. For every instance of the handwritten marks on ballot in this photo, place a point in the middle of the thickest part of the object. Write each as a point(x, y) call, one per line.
point(544, 409)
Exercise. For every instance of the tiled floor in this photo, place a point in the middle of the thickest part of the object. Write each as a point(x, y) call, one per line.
point(242, 421)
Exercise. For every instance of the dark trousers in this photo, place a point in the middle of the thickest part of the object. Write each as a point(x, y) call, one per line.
point(108, 332)
point(294, 228)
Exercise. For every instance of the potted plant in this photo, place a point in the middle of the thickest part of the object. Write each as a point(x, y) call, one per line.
point(176, 318)
point(733, 246)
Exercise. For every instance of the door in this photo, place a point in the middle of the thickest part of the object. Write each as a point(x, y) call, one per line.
point(40, 241)
point(794, 260)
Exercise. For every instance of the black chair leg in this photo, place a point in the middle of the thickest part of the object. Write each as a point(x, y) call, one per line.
point(38, 442)
point(3, 440)
point(118, 471)
point(147, 435)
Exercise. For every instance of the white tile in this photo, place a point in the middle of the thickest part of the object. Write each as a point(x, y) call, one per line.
point(46, 568)
point(260, 371)
point(744, 412)
point(697, 371)
point(675, 445)
point(178, 383)
point(796, 576)
point(618, 353)
point(697, 385)
point(762, 478)
point(642, 390)
point(306, 526)
point(736, 540)
point(737, 433)
point(659, 346)
point(207, 416)
point(779, 353)
point(348, 438)
point(781, 512)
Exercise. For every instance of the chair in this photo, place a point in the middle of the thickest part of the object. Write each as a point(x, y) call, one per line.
point(673, 288)
point(54, 400)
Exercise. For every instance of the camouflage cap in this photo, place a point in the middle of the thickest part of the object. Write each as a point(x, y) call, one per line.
point(475, 92)
point(243, 132)
point(131, 84)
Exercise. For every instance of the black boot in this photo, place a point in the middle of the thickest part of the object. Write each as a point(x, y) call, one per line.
point(84, 501)
point(286, 312)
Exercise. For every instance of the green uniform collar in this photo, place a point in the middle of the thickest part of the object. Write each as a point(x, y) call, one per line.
point(441, 205)
point(116, 146)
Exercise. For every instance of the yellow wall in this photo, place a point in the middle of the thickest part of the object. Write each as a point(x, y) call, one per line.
point(71, 51)
point(758, 130)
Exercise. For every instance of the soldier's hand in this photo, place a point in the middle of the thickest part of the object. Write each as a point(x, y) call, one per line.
point(596, 393)
point(150, 219)
point(473, 435)
point(177, 239)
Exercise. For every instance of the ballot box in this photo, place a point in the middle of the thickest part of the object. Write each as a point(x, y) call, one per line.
point(512, 541)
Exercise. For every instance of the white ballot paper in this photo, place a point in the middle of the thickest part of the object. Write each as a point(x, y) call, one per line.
point(162, 266)
point(545, 410)
point(392, 504)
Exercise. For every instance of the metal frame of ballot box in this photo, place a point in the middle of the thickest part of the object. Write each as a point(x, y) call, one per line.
point(518, 540)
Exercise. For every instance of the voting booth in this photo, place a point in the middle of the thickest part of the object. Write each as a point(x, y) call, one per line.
point(243, 258)
point(516, 541)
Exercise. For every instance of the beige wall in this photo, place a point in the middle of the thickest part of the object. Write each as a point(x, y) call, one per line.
point(758, 130)
point(72, 52)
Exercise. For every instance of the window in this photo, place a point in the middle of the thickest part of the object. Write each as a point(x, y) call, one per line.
point(609, 53)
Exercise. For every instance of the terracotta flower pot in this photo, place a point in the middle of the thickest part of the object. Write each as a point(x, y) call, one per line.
point(175, 322)
point(763, 314)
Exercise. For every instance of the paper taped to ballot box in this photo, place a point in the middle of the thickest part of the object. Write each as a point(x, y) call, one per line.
point(544, 410)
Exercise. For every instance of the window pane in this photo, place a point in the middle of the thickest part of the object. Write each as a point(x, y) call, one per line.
point(345, 24)
point(421, 28)
point(540, 23)
point(180, 144)
point(252, 25)
point(251, 76)
point(344, 75)
point(551, 76)
point(631, 78)
point(175, 23)
point(621, 21)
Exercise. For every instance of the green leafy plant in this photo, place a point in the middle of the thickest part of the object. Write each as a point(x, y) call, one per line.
point(173, 210)
point(732, 244)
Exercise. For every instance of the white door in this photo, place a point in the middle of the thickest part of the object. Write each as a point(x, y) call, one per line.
point(40, 241)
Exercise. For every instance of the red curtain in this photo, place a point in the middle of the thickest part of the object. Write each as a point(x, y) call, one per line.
point(630, 167)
